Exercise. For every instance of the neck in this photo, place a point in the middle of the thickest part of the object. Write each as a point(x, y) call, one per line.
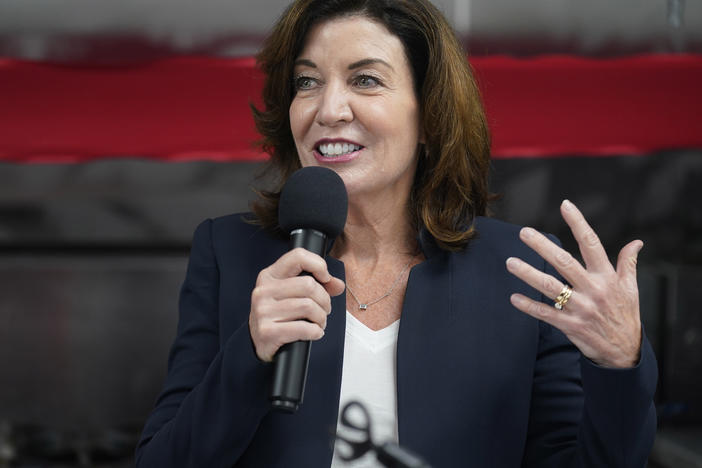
point(374, 232)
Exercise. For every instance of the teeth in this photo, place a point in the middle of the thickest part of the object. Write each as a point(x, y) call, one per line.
point(337, 149)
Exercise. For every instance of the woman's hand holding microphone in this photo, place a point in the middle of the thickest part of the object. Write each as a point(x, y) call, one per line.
point(287, 306)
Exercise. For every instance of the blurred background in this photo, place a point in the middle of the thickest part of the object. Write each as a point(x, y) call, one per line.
point(124, 124)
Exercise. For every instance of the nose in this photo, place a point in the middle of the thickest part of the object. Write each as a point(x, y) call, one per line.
point(334, 106)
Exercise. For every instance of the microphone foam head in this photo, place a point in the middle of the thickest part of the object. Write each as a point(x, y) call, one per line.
point(313, 198)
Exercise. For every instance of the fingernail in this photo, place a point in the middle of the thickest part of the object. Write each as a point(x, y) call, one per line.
point(516, 300)
point(512, 263)
point(567, 205)
point(527, 233)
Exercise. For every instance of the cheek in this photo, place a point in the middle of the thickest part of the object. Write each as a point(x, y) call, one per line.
point(295, 120)
point(404, 129)
point(301, 113)
point(398, 117)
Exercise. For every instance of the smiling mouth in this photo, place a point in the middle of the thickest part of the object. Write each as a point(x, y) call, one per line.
point(334, 150)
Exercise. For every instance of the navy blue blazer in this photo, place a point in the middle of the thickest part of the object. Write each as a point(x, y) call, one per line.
point(479, 383)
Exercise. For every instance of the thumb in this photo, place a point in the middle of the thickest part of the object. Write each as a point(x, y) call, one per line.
point(628, 258)
point(334, 286)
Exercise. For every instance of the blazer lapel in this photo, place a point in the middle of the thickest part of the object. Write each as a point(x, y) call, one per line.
point(425, 316)
point(325, 369)
point(442, 355)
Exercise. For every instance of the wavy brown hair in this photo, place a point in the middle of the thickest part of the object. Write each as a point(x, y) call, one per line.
point(451, 183)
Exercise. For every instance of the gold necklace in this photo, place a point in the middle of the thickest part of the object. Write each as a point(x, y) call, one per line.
point(365, 305)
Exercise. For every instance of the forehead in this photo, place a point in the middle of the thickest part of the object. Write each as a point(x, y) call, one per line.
point(351, 38)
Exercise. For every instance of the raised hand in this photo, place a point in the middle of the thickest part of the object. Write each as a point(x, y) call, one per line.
point(601, 317)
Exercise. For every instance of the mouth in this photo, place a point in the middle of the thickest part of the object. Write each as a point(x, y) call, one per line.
point(337, 149)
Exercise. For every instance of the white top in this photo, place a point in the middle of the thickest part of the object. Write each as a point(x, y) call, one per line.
point(369, 376)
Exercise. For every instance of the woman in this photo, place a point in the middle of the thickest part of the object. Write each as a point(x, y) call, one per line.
point(380, 92)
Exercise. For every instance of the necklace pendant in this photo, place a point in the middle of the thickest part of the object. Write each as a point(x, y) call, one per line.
point(362, 306)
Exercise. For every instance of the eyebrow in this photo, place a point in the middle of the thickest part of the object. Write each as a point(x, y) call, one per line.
point(369, 61)
point(353, 66)
point(305, 62)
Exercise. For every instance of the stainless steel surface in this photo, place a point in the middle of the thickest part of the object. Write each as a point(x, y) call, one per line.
point(119, 202)
point(84, 340)
point(678, 448)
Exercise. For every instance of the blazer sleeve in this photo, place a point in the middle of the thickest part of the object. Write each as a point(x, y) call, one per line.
point(214, 396)
point(584, 415)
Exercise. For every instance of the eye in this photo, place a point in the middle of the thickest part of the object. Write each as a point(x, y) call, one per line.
point(303, 83)
point(366, 81)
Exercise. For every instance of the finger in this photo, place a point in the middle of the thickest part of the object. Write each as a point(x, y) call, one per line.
point(543, 312)
point(300, 330)
point(279, 334)
point(300, 308)
point(300, 287)
point(334, 287)
point(542, 282)
point(594, 254)
point(627, 260)
point(561, 260)
point(298, 260)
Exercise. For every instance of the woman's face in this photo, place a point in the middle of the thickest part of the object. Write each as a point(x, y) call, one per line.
point(355, 110)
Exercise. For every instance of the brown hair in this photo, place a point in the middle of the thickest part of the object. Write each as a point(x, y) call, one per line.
point(451, 184)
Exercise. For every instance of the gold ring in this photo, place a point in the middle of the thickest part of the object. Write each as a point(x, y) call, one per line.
point(563, 297)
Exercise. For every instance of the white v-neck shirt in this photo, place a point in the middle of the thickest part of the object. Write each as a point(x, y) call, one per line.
point(370, 376)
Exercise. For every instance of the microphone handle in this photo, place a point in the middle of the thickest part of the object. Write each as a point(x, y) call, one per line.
point(292, 359)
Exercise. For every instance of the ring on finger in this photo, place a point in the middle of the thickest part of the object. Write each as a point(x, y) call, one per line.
point(563, 297)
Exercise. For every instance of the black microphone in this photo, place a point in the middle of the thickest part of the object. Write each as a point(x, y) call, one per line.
point(312, 209)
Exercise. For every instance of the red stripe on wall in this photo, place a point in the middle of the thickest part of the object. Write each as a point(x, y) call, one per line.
point(566, 105)
point(191, 108)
